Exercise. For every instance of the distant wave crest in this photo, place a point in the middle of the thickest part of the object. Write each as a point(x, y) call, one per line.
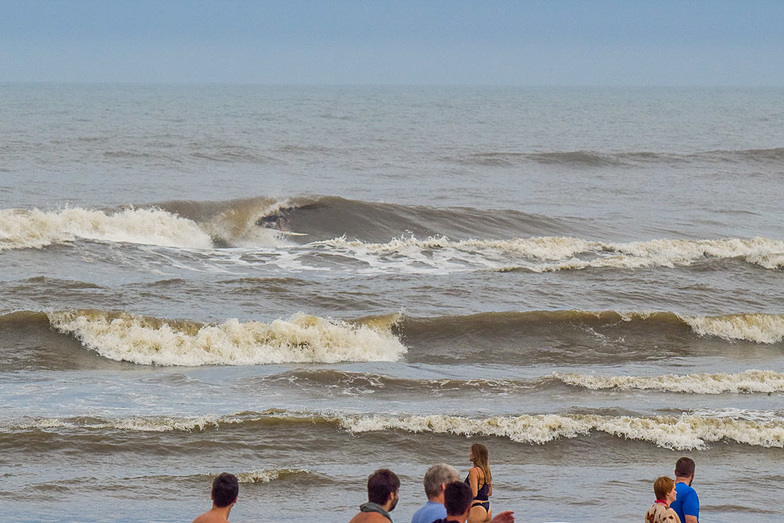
point(596, 159)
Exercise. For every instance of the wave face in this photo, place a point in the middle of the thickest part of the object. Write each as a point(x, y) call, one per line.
point(689, 431)
point(512, 338)
point(411, 239)
point(358, 384)
point(301, 339)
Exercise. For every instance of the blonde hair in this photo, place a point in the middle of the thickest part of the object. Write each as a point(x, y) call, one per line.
point(663, 486)
point(480, 460)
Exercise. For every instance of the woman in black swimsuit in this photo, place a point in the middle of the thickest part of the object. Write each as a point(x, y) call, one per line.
point(481, 481)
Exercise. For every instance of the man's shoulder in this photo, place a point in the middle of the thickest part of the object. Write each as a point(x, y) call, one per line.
point(208, 517)
point(429, 512)
point(683, 487)
point(369, 517)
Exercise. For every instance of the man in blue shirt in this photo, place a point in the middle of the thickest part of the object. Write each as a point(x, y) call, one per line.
point(437, 478)
point(686, 504)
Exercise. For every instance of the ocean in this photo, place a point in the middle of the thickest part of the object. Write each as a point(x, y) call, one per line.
point(300, 285)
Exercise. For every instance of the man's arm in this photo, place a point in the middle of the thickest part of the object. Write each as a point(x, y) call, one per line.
point(690, 507)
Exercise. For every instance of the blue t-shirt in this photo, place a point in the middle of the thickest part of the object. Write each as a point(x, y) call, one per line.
point(429, 513)
point(686, 503)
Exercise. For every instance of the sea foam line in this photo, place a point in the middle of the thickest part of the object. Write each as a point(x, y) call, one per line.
point(300, 339)
point(750, 381)
point(760, 328)
point(23, 229)
point(270, 475)
point(555, 253)
point(685, 432)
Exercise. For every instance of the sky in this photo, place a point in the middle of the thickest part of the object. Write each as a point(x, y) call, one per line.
point(395, 42)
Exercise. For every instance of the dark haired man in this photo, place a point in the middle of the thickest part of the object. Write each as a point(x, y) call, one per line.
point(225, 488)
point(457, 500)
point(686, 504)
point(383, 486)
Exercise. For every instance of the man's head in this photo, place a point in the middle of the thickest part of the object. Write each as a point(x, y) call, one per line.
point(457, 498)
point(437, 477)
point(225, 488)
point(382, 487)
point(684, 468)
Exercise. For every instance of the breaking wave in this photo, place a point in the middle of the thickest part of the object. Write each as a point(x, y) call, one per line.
point(352, 383)
point(750, 381)
point(550, 254)
point(300, 339)
point(22, 229)
point(687, 431)
point(270, 475)
point(756, 327)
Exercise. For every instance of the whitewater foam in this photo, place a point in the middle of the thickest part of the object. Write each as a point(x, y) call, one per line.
point(270, 475)
point(760, 328)
point(750, 381)
point(300, 339)
point(689, 431)
point(23, 229)
point(555, 253)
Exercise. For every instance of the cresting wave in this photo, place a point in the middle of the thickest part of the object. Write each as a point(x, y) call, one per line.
point(184, 225)
point(327, 222)
point(685, 432)
point(270, 475)
point(758, 328)
point(679, 433)
point(548, 254)
point(301, 339)
point(22, 229)
point(750, 381)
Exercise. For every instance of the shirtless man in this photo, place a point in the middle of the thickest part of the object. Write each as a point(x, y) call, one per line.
point(383, 486)
point(224, 495)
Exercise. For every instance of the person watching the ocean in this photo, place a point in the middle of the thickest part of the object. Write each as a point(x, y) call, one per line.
point(687, 505)
point(436, 479)
point(481, 482)
point(225, 489)
point(661, 511)
point(382, 486)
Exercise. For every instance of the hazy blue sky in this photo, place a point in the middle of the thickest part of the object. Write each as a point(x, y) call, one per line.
point(547, 42)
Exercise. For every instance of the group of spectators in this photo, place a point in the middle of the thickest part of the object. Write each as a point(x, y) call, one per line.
point(450, 500)
point(676, 500)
